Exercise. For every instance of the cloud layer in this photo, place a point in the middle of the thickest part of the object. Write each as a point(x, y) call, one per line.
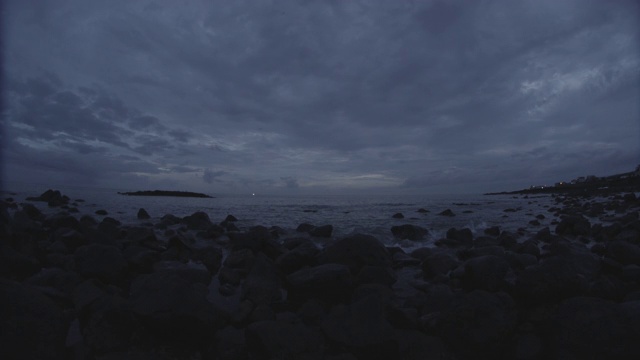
point(291, 96)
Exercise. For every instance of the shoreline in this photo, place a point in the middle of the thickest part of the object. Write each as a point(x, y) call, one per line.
point(193, 287)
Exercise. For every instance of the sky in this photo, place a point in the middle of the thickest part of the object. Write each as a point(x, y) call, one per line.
point(319, 97)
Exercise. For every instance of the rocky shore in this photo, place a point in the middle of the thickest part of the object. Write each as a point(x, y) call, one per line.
point(88, 287)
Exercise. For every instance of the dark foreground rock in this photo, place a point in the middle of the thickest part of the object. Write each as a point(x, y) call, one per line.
point(188, 288)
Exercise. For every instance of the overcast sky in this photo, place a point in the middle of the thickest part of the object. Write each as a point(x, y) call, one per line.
point(319, 96)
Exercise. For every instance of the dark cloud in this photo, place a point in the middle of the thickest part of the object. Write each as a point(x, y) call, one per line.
point(406, 95)
point(209, 176)
point(290, 182)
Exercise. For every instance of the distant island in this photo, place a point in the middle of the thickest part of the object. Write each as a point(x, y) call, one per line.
point(166, 193)
point(625, 182)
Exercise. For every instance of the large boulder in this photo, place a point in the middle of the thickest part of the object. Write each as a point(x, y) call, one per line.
point(593, 328)
point(197, 221)
point(557, 277)
point(479, 324)
point(409, 231)
point(486, 272)
point(362, 328)
point(327, 281)
point(356, 251)
point(32, 325)
point(624, 252)
point(262, 285)
point(573, 225)
point(101, 262)
point(283, 339)
point(303, 253)
point(172, 307)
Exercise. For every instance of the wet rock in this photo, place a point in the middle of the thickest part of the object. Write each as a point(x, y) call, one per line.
point(592, 328)
point(305, 227)
point(447, 212)
point(101, 212)
point(262, 285)
point(624, 252)
point(362, 328)
point(398, 216)
point(573, 225)
point(492, 231)
point(479, 324)
point(376, 275)
point(33, 212)
point(230, 218)
point(485, 273)
point(303, 253)
point(173, 308)
point(326, 281)
point(140, 259)
point(422, 210)
point(52, 197)
point(557, 277)
point(143, 214)
point(464, 236)
point(283, 339)
point(197, 221)
point(32, 326)
point(356, 251)
point(439, 264)
point(100, 261)
point(321, 231)
point(408, 231)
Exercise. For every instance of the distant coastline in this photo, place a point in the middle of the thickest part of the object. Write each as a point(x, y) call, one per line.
point(166, 193)
point(591, 185)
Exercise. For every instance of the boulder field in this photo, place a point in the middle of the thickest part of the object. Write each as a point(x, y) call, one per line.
point(83, 287)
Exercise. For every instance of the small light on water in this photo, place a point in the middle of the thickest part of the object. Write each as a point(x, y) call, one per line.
point(253, 194)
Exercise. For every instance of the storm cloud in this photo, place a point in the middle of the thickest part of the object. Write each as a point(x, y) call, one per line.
point(316, 97)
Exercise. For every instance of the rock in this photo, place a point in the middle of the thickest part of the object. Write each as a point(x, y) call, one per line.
point(327, 281)
point(557, 277)
point(173, 308)
point(143, 214)
point(304, 227)
point(33, 212)
point(101, 212)
point(32, 325)
point(356, 251)
point(439, 264)
point(303, 254)
point(100, 261)
point(262, 285)
point(140, 259)
point(464, 236)
point(447, 212)
point(52, 197)
point(362, 328)
point(197, 221)
point(573, 225)
point(230, 218)
point(492, 231)
point(478, 324)
point(230, 344)
point(592, 328)
point(623, 252)
point(321, 231)
point(282, 339)
point(408, 231)
point(398, 216)
point(376, 275)
point(486, 272)
point(423, 210)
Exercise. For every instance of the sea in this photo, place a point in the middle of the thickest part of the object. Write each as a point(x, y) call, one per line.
point(348, 214)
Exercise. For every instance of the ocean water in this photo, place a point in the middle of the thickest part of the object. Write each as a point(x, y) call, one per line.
point(348, 214)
